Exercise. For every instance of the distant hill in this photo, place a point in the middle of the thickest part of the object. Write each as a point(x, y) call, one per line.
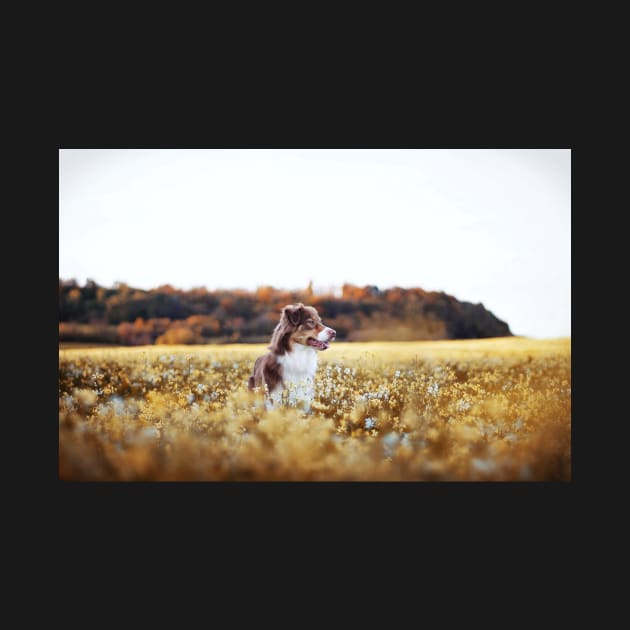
point(166, 315)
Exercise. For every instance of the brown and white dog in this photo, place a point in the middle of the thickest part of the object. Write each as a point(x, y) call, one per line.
point(286, 372)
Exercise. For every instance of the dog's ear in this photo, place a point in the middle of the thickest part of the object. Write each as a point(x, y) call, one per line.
point(293, 313)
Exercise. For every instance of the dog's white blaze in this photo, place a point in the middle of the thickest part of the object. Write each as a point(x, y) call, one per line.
point(325, 335)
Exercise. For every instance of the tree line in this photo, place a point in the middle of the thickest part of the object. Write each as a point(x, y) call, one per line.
point(166, 315)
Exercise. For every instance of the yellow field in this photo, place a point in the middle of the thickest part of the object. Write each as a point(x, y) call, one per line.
point(479, 410)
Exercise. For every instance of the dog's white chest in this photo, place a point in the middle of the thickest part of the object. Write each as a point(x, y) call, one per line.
point(299, 364)
point(298, 370)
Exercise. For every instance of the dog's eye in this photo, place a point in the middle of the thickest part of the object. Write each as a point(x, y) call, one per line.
point(309, 323)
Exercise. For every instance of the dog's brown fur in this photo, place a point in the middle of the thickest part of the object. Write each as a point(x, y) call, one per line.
point(296, 325)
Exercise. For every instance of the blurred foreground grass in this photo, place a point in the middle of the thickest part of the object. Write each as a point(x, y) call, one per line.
point(491, 409)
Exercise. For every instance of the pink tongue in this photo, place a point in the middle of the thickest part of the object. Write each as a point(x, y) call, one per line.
point(322, 345)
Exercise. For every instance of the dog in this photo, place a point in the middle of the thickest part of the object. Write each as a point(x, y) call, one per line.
point(287, 371)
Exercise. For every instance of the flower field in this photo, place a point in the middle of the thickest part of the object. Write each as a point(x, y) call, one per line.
point(467, 410)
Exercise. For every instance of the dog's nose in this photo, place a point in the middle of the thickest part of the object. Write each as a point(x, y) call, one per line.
point(332, 333)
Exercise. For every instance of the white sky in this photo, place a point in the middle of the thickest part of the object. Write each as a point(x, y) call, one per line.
point(484, 225)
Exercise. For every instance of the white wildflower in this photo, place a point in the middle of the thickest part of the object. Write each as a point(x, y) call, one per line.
point(434, 389)
point(118, 404)
point(483, 465)
point(150, 433)
point(389, 443)
point(391, 439)
point(370, 423)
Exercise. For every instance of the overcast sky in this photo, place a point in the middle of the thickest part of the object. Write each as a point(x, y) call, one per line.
point(487, 225)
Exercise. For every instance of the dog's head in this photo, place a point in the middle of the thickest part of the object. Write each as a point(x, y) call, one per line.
point(301, 324)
